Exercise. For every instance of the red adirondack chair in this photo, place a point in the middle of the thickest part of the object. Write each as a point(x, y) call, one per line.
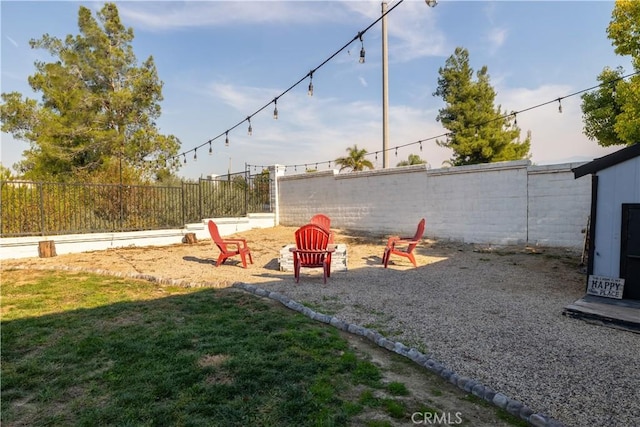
point(240, 245)
point(405, 251)
point(312, 250)
point(323, 221)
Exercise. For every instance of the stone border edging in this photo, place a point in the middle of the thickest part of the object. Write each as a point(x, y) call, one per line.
point(514, 407)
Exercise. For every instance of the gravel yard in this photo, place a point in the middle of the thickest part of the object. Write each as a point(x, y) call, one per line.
point(487, 313)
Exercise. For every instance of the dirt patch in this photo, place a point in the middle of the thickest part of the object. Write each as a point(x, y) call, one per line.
point(431, 397)
point(196, 262)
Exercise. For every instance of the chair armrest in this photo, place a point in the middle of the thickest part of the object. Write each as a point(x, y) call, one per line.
point(237, 242)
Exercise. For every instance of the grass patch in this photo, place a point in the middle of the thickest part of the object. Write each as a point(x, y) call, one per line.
point(82, 349)
point(397, 389)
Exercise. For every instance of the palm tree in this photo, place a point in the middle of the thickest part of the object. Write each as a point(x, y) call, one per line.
point(413, 159)
point(355, 160)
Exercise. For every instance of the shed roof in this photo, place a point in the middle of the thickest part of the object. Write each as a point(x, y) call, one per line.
point(607, 161)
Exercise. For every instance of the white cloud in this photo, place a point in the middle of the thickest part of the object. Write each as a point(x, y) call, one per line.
point(172, 15)
point(497, 38)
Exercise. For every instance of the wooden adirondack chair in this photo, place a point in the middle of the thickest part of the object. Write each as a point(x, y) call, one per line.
point(312, 250)
point(323, 221)
point(240, 245)
point(405, 251)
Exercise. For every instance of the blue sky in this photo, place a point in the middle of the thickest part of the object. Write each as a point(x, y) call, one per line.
point(222, 61)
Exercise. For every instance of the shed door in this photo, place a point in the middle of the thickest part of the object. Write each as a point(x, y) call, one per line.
point(630, 250)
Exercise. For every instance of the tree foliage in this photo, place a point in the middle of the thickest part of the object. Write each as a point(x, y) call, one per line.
point(478, 132)
point(97, 105)
point(612, 112)
point(413, 159)
point(355, 160)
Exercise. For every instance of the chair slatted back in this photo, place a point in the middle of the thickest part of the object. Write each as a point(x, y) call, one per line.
point(215, 236)
point(311, 237)
point(418, 235)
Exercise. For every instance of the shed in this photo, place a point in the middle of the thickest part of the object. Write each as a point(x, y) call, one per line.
point(613, 268)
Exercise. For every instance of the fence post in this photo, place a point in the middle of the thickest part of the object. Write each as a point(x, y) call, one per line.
point(41, 193)
point(182, 203)
point(200, 198)
point(246, 190)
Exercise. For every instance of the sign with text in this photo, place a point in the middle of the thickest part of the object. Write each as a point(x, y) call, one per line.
point(605, 287)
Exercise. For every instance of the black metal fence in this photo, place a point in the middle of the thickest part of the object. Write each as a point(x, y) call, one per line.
point(30, 208)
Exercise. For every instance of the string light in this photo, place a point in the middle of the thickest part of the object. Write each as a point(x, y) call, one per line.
point(559, 105)
point(185, 159)
point(226, 138)
point(195, 155)
point(515, 120)
point(361, 49)
point(250, 129)
point(275, 108)
point(310, 91)
point(210, 148)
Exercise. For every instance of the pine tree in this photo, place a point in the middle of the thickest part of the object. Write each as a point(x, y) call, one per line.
point(478, 132)
point(98, 107)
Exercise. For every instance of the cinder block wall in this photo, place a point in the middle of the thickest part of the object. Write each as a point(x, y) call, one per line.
point(559, 206)
point(497, 203)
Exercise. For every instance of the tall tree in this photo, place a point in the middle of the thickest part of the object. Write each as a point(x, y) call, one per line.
point(98, 105)
point(478, 132)
point(611, 113)
point(355, 160)
point(413, 159)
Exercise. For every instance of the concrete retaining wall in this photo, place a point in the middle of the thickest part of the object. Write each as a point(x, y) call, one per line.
point(24, 247)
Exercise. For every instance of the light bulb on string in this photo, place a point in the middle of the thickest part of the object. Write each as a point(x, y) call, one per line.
point(559, 105)
point(420, 145)
point(275, 108)
point(250, 129)
point(226, 138)
point(195, 154)
point(396, 151)
point(361, 49)
point(515, 120)
point(310, 91)
point(185, 158)
point(210, 148)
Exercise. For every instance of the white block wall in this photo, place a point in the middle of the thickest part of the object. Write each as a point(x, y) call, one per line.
point(497, 203)
point(559, 206)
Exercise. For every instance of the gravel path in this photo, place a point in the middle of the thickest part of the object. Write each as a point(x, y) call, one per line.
point(490, 314)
